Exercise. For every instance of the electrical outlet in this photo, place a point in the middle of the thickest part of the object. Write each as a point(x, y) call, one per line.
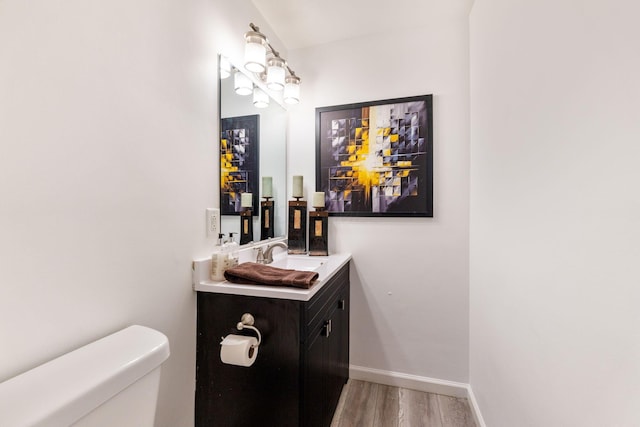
point(213, 222)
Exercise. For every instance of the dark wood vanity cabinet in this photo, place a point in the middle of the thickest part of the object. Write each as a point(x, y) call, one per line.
point(301, 366)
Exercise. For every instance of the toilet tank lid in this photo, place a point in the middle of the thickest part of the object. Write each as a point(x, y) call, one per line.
point(61, 391)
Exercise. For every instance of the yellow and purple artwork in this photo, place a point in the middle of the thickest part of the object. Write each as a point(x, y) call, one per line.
point(376, 158)
point(239, 143)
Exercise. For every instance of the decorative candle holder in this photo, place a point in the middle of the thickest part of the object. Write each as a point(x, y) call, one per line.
point(297, 236)
point(266, 209)
point(246, 226)
point(319, 227)
point(246, 218)
point(266, 219)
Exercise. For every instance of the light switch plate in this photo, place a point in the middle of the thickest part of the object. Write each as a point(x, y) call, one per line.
point(213, 222)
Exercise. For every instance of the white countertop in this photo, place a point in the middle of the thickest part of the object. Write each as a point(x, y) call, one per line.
point(202, 284)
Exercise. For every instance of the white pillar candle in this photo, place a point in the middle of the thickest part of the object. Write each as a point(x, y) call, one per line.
point(297, 186)
point(246, 200)
point(318, 199)
point(267, 186)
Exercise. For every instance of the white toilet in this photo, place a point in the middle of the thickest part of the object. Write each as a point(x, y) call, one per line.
point(110, 382)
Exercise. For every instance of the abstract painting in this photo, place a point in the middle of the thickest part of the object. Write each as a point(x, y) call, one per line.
point(376, 158)
point(239, 160)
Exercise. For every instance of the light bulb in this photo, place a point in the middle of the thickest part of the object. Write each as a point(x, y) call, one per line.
point(292, 90)
point(225, 67)
point(260, 98)
point(242, 84)
point(255, 52)
point(275, 73)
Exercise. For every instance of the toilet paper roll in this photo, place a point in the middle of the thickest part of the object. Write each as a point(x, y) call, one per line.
point(238, 350)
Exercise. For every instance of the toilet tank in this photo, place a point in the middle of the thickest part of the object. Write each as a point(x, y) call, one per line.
point(110, 382)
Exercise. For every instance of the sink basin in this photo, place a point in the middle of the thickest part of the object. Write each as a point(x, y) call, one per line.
point(300, 263)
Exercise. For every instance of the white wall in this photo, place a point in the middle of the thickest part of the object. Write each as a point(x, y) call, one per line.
point(108, 159)
point(409, 275)
point(555, 212)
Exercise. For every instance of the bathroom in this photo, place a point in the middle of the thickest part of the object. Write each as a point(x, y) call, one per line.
point(523, 285)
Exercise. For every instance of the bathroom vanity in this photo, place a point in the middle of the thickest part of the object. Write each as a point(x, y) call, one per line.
point(302, 362)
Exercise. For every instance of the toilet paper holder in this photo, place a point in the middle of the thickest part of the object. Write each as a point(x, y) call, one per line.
point(246, 322)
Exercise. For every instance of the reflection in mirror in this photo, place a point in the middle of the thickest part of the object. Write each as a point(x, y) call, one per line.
point(271, 128)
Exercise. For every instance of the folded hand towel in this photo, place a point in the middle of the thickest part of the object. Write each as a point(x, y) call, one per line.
point(251, 273)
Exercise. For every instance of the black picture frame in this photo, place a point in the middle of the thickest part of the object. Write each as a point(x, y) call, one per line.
point(239, 162)
point(375, 159)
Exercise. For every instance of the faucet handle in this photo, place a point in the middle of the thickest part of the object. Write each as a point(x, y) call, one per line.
point(260, 256)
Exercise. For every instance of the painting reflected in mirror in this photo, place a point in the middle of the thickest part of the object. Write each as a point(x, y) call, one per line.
point(239, 161)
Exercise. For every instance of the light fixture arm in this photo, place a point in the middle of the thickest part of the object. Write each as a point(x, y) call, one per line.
point(271, 49)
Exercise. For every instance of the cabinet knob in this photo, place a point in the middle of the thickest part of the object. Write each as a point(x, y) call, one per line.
point(342, 304)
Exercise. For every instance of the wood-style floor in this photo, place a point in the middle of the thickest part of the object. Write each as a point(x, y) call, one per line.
point(364, 404)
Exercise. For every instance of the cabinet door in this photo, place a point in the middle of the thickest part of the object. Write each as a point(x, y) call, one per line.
point(264, 394)
point(323, 379)
point(314, 379)
point(338, 349)
point(344, 310)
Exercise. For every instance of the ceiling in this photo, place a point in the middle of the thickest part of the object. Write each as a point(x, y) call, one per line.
point(303, 23)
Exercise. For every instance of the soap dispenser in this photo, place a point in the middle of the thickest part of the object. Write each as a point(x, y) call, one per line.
point(232, 251)
point(218, 261)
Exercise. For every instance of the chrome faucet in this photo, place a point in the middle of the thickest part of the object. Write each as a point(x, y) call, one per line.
point(266, 256)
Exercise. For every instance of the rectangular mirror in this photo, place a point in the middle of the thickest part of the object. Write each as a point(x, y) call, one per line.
point(253, 145)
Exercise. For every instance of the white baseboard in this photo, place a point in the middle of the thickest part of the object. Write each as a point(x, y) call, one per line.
point(415, 382)
point(475, 409)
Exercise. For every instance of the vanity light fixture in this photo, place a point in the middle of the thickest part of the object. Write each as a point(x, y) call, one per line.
point(225, 67)
point(255, 51)
point(275, 71)
point(260, 98)
point(292, 90)
point(242, 84)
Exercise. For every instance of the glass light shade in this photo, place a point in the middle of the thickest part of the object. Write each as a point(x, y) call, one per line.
point(260, 98)
point(275, 73)
point(292, 90)
point(242, 84)
point(255, 52)
point(225, 67)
